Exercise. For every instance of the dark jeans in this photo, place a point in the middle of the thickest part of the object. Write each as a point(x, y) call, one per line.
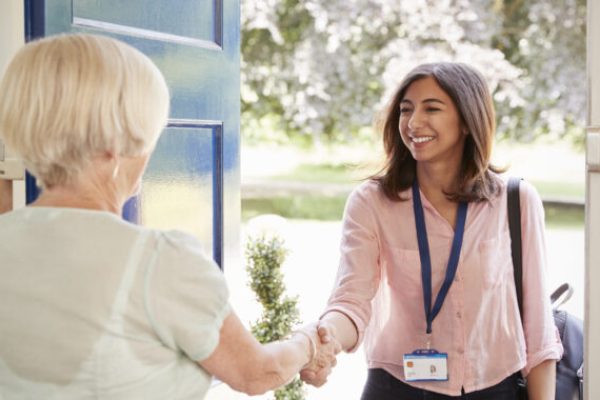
point(383, 386)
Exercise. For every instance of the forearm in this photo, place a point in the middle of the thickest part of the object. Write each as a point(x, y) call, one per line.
point(250, 367)
point(343, 329)
point(281, 361)
point(541, 381)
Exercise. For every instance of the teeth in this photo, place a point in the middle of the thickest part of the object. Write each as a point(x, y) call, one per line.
point(422, 139)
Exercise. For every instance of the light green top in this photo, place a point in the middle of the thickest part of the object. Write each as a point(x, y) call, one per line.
point(92, 306)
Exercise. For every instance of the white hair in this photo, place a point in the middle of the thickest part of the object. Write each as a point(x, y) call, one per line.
point(68, 98)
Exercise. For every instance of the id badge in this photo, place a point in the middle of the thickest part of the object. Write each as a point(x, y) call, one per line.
point(426, 365)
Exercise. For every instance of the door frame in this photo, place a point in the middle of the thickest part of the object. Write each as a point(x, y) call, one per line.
point(592, 213)
point(12, 37)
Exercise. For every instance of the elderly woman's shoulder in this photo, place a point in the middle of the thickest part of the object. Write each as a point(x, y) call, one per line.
point(177, 243)
point(177, 237)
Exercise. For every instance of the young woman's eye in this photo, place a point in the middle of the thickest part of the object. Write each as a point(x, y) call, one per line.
point(433, 109)
point(404, 110)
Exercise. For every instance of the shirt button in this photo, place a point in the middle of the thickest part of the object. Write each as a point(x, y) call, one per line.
point(458, 315)
point(460, 350)
point(456, 279)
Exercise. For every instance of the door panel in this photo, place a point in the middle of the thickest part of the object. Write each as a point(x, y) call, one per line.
point(192, 181)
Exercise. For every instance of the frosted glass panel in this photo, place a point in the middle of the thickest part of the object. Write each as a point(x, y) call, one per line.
point(178, 190)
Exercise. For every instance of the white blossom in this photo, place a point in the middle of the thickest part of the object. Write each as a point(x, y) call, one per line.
point(327, 67)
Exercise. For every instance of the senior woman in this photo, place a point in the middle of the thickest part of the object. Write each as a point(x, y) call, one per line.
point(92, 306)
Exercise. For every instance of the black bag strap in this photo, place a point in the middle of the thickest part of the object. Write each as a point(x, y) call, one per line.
point(514, 226)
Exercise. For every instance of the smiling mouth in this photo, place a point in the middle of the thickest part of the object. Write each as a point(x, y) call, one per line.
point(422, 139)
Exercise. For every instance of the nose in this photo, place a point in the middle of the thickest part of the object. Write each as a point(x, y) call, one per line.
point(416, 120)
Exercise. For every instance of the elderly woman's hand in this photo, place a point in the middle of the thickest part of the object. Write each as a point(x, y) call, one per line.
point(328, 347)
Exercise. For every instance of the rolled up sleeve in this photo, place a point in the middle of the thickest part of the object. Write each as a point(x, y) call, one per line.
point(359, 272)
point(541, 336)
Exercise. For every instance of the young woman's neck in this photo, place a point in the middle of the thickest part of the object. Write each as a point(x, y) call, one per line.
point(436, 179)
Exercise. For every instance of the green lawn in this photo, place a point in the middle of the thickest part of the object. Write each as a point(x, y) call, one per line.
point(332, 208)
point(353, 173)
point(298, 207)
point(565, 217)
point(537, 163)
point(560, 189)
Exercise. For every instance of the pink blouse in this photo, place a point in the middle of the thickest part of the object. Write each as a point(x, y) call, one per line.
point(378, 287)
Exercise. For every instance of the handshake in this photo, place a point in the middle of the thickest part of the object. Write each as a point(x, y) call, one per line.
point(325, 348)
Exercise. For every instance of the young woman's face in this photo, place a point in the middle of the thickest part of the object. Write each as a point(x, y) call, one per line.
point(430, 126)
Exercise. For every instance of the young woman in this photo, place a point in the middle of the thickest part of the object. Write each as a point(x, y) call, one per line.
point(426, 277)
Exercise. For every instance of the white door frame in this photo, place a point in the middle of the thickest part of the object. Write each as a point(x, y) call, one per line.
point(592, 214)
point(12, 37)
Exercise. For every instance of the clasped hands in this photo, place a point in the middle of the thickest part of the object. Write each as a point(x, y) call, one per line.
point(327, 348)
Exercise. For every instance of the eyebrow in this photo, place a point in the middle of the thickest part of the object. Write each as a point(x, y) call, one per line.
point(431, 100)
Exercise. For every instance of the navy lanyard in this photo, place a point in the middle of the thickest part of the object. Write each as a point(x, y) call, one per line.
point(461, 217)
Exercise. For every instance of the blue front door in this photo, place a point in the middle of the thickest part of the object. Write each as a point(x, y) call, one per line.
point(192, 181)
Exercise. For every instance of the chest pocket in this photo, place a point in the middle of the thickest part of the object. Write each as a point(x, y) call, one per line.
point(404, 268)
point(495, 263)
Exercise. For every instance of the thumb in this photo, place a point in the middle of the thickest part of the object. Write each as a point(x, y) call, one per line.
point(324, 332)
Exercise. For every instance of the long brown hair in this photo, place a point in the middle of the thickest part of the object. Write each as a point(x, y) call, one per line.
point(470, 94)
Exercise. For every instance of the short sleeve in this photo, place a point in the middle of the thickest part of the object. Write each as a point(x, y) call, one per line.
point(185, 296)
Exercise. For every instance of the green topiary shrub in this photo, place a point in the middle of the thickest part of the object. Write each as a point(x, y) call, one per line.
point(264, 257)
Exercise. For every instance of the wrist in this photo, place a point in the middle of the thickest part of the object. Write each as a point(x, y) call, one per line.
point(312, 346)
